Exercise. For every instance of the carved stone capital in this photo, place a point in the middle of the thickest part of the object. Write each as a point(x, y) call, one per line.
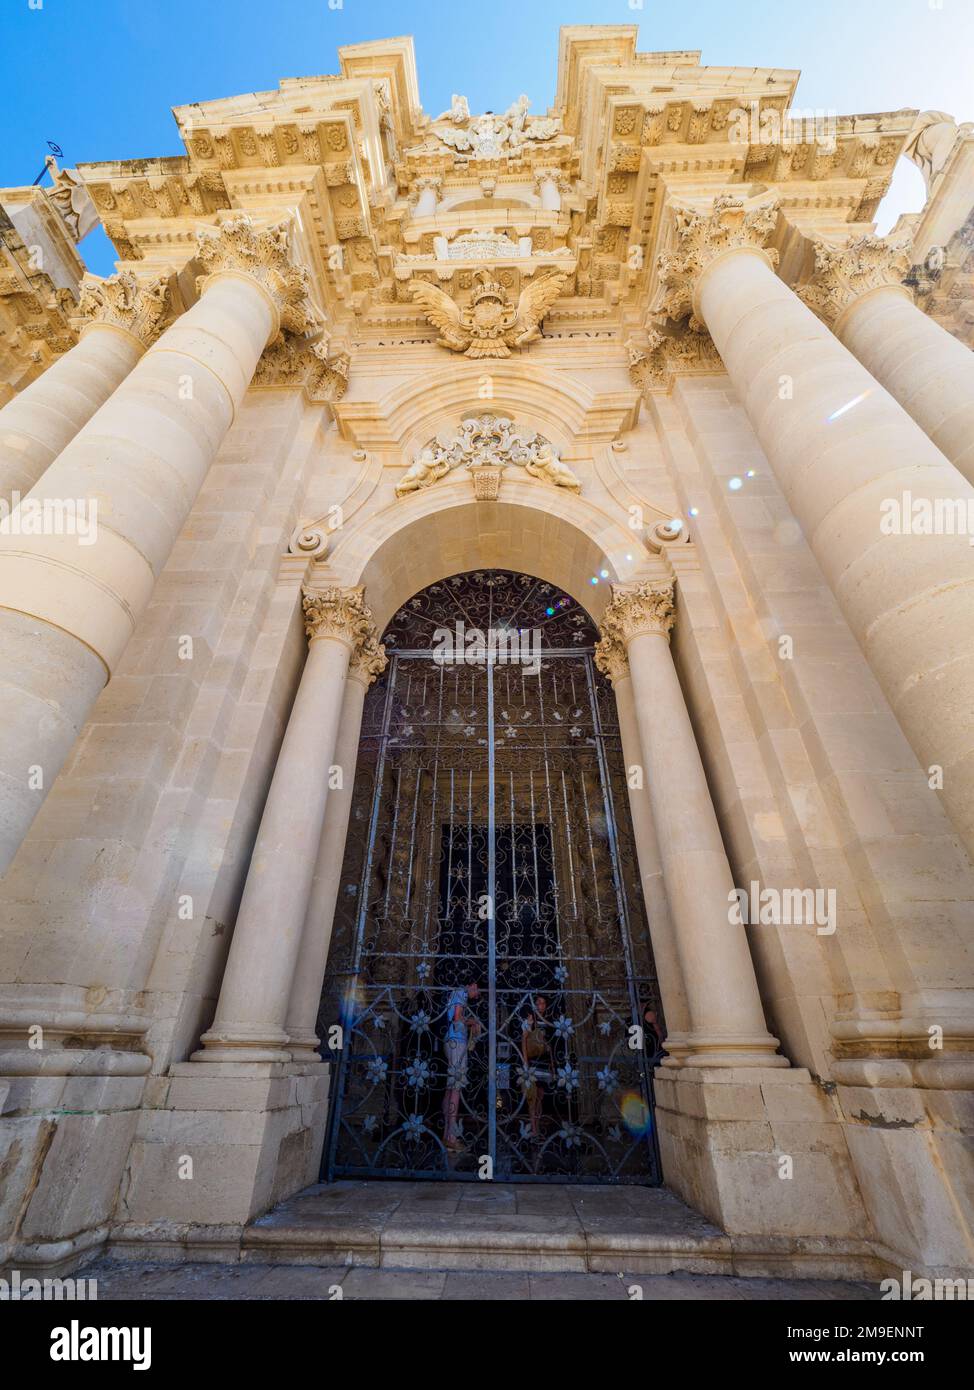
point(368, 661)
point(140, 307)
point(611, 657)
point(843, 273)
point(340, 614)
point(238, 247)
point(657, 359)
point(731, 224)
point(635, 609)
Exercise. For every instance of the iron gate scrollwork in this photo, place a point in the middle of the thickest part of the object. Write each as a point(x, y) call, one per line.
point(490, 846)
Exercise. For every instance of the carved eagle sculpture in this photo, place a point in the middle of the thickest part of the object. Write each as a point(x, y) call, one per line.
point(490, 325)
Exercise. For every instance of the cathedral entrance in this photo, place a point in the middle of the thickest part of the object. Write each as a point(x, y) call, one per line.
point(490, 970)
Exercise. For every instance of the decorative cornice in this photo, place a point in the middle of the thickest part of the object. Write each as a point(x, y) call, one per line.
point(237, 246)
point(731, 224)
point(139, 307)
point(635, 609)
point(342, 614)
point(844, 273)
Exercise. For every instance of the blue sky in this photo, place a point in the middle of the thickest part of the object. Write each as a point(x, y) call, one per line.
point(99, 76)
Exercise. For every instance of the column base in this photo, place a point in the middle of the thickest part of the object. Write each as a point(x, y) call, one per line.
point(243, 1044)
point(304, 1047)
point(761, 1151)
point(254, 1133)
point(729, 1050)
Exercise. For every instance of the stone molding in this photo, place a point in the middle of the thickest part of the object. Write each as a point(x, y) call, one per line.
point(844, 273)
point(635, 610)
point(731, 224)
point(237, 246)
point(142, 308)
point(342, 614)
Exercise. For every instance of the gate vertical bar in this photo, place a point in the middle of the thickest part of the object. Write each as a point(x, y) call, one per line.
point(491, 928)
point(334, 1118)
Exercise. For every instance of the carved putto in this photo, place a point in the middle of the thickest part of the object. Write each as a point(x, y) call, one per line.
point(486, 445)
point(489, 136)
point(490, 325)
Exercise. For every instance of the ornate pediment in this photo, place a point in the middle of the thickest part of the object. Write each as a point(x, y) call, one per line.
point(486, 445)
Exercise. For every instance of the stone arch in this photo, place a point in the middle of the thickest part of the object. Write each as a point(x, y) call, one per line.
point(540, 530)
point(557, 404)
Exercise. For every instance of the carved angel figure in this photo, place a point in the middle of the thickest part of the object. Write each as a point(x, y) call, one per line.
point(424, 470)
point(490, 325)
point(547, 465)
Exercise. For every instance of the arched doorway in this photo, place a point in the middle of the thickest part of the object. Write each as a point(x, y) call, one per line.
point(490, 964)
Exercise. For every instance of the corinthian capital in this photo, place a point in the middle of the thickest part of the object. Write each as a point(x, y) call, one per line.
point(730, 224)
point(236, 245)
point(342, 614)
point(635, 609)
point(843, 273)
point(140, 307)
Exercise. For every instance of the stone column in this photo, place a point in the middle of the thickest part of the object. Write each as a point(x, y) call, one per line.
point(67, 609)
point(857, 291)
point(368, 661)
point(611, 659)
point(250, 1019)
point(844, 453)
point(547, 186)
point(726, 1020)
point(428, 190)
point(125, 317)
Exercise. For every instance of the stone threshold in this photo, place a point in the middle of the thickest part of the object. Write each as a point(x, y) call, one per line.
point(520, 1228)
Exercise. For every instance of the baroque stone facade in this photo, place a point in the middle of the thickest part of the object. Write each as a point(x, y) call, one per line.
point(667, 346)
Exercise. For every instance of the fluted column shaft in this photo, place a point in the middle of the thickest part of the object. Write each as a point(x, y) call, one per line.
point(857, 290)
point(252, 1011)
point(43, 418)
point(309, 974)
point(67, 609)
point(726, 1019)
point(842, 449)
point(125, 315)
point(926, 368)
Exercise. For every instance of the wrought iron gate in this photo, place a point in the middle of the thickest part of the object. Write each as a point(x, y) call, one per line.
point(490, 845)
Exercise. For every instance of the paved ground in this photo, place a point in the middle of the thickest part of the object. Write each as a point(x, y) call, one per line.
point(524, 1241)
point(120, 1280)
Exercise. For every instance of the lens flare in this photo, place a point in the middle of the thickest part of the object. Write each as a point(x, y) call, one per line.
point(636, 1115)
